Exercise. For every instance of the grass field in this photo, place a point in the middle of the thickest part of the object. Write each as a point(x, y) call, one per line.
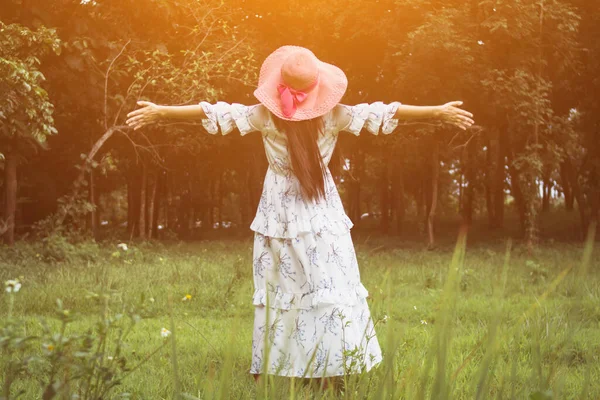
point(486, 328)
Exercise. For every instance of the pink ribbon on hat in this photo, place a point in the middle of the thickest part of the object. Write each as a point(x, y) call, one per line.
point(291, 98)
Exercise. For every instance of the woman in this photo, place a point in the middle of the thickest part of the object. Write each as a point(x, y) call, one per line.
point(311, 313)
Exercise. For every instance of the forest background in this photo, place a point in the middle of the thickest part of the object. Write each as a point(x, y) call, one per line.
point(127, 255)
point(71, 70)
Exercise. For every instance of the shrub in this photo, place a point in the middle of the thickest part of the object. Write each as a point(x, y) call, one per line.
point(86, 366)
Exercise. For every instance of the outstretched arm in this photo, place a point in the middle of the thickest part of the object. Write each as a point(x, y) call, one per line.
point(449, 113)
point(151, 113)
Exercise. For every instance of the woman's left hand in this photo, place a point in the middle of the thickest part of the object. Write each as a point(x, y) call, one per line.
point(450, 113)
point(148, 114)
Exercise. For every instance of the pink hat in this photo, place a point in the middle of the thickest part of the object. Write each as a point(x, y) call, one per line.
point(295, 86)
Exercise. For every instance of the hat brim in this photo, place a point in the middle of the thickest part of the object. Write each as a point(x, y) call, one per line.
point(321, 99)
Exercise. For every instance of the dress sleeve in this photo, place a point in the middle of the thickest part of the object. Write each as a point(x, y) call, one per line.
point(375, 117)
point(226, 117)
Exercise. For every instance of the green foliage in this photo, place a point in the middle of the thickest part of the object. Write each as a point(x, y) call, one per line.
point(519, 326)
point(58, 248)
point(74, 207)
point(55, 247)
point(25, 109)
point(524, 69)
point(88, 365)
point(520, 67)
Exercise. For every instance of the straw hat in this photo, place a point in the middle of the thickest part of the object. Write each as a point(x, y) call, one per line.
point(295, 85)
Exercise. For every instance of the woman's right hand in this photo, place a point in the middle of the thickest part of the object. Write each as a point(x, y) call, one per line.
point(148, 114)
point(450, 113)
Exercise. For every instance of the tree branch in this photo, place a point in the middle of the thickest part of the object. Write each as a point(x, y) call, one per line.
point(106, 84)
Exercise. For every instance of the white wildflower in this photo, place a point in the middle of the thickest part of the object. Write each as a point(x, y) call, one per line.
point(385, 319)
point(164, 332)
point(480, 42)
point(423, 322)
point(12, 285)
point(415, 307)
point(123, 246)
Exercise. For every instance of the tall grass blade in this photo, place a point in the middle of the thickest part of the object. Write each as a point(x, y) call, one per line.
point(176, 381)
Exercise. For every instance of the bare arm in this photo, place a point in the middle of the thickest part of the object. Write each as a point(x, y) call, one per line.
point(151, 113)
point(449, 113)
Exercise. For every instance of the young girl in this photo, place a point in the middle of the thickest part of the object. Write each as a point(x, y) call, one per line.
point(311, 314)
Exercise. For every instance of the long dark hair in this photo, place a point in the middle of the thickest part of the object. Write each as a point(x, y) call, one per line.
point(305, 157)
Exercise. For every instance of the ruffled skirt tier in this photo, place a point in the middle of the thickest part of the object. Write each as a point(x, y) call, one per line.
point(311, 311)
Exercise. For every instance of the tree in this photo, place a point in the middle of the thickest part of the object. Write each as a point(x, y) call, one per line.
point(527, 70)
point(118, 53)
point(25, 108)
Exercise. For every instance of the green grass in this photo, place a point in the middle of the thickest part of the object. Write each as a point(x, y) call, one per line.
point(484, 328)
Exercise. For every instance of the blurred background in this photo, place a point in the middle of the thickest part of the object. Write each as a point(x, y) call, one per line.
point(70, 71)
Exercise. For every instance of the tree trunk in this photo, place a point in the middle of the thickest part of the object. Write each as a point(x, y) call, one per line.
point(393, 196)
point(245, 195)
point(159, 208)
point(62, 213)
point(399, 197)
point(488, 182)
point(499, 177)
point(191, 222)
point(435, 173)
point(594, 196)
point(426, 187)
point(577, 194)
point(594, 201)
point(130, 206)
point(248, 203)
point(546, 193)
point(384, 197)
point(254, 184)
point(566, 185)
point(183, 215)
point(470, 181)
point(151, 206)
point(143, 202)
point(517, 193)
point(133, 203)
point(356, 173)
point(209, 204)
point(533, 192)
point(420, 197)
point(10, 204)
point(516, 188)
point(93, 217)
point(460, 192)
point(489, 204)
point(220, 195)
point(170, 216)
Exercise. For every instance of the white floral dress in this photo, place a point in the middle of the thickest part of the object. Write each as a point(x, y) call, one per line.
point(311, 313)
